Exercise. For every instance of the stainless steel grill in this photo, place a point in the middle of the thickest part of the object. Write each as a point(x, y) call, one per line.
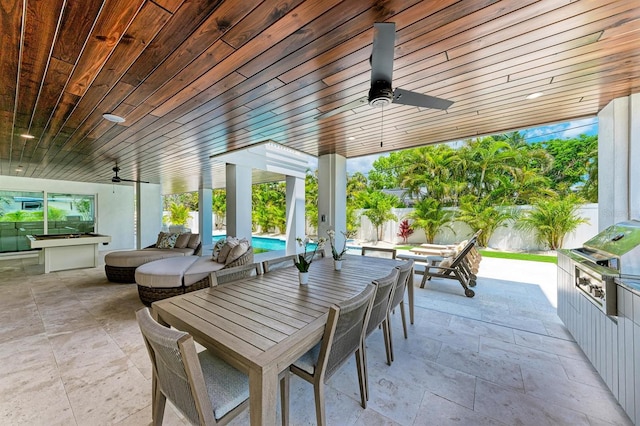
point(612, 253)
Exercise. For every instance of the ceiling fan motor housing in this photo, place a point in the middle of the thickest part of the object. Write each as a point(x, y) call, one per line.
point(380, 94)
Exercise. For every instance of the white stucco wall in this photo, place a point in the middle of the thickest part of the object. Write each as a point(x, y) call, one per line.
point(505, 238)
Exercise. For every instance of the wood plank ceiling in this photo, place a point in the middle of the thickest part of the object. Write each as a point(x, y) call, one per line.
point(196, 78)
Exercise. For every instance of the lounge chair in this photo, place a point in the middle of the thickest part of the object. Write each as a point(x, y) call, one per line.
point(462, 267)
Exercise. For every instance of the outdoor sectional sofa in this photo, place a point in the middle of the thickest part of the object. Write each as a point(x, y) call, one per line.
point(178, 275)
point(120, 266)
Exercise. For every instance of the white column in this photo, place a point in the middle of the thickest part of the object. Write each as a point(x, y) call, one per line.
point(295, 212)
point(618, 151)
point(148, 213)
point(634, 157)
point(238, 201)
point(205, 215)
point(332, 197)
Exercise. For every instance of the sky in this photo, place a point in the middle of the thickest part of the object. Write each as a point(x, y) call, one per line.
point(566, 130)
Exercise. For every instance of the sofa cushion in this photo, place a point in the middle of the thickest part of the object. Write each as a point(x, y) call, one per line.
point(194, 241)
point(133, 258)
point(226, 249)
point(167, 241)
point(200, 269)
point(164, 273)
point(237, 251)
point(183, 240)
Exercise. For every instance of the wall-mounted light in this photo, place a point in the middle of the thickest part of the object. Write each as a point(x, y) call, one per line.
point(113, 118)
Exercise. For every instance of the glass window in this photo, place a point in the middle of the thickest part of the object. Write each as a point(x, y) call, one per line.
point(21, 214)
point(70, 213)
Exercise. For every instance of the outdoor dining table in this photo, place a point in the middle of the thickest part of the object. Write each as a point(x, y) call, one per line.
point(262, 324)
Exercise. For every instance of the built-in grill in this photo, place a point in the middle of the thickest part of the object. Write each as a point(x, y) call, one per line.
point(613, 253)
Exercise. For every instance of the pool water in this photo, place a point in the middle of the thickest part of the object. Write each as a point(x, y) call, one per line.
point(261, 242)
point(266, 243)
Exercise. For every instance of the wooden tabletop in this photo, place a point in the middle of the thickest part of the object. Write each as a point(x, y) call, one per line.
point(263, 324)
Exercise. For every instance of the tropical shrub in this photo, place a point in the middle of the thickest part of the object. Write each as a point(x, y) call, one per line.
point(430, 216)
point(551, 219)
point(482, 214)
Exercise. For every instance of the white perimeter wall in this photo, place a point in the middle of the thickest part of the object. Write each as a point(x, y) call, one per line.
point(507, 238)
point(114, 205)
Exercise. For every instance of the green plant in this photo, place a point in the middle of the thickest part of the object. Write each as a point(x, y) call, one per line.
point(430, 215)
point(334, 252)
point(481, 214)
point(552, 218)
point(378, 207)
point(178, 214)
point(304, 259)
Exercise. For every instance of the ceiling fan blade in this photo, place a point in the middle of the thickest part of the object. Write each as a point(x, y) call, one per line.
point(406, 97)
point(384, 40)
point(351, 105)
point(133, 180)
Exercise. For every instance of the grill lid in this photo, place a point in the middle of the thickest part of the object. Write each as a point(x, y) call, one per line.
point(622, 243)
point(617, 239)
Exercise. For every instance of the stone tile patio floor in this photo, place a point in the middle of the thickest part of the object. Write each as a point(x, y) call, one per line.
point(71, 354)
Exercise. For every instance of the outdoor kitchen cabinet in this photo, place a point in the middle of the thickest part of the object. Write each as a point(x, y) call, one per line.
point(611, 343)
point(629, 352)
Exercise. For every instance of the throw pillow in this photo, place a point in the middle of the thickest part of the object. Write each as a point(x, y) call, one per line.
point(216, 249)
point(237, 251)
point(160, 237)
point(226, 249)
point(183, 240)
point(194, 240)
point(168, 241)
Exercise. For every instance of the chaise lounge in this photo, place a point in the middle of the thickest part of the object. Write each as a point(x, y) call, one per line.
point(120, 266)
point(172, 276)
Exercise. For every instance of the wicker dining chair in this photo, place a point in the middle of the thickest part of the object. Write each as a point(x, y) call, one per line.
point(343, 336)
point(379, 314)
point(405, 278)
point(226, 275)
point(205, 389)
point(279, 263)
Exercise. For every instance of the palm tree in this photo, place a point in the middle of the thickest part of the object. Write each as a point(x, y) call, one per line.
point(378, 207)
point(482, 215)
point(553, 218)
point(430, 216)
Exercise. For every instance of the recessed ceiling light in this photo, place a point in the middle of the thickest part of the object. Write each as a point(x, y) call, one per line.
point(351, 138)
point(534, 95)
point(113, 118)
point(27, 136)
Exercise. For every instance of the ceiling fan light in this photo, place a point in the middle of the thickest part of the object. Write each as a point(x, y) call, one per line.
point(113, 118)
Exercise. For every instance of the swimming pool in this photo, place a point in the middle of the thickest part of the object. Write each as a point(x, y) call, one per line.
point(267, 243)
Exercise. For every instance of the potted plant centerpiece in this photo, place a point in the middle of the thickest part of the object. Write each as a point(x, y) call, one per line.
point(303, 261)
point(337, 255)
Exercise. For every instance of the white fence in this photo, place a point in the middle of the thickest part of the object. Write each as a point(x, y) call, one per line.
point(504, 238)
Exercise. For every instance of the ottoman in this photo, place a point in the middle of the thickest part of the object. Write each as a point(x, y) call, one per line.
point(164, 278)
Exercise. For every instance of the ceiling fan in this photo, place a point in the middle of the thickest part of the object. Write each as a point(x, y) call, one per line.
point(381, 93)
point(118, 179)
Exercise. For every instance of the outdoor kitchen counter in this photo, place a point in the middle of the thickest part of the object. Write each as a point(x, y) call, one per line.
point(632, 284)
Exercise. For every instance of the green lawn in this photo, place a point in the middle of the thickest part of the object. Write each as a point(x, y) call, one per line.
point(507, 255)
point(520, 256)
